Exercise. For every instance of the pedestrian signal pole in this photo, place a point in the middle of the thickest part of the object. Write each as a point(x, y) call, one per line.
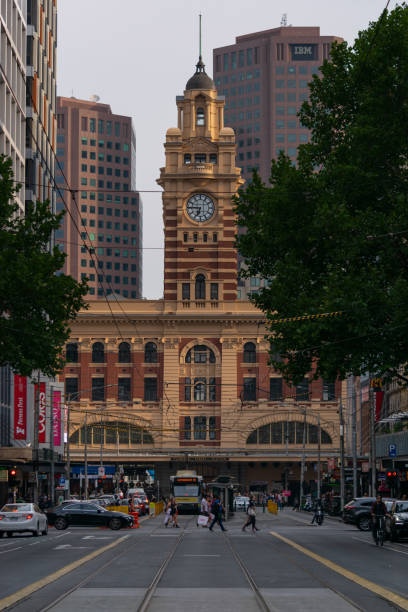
point(342, 488)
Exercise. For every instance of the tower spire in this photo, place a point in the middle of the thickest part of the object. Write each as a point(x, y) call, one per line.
point(199, 37)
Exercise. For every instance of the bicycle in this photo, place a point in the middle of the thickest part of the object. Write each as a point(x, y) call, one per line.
point(379, 531)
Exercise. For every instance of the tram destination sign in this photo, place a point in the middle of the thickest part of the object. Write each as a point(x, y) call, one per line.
point(303, 52)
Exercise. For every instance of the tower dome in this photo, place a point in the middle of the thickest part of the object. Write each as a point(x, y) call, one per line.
point(200, 79)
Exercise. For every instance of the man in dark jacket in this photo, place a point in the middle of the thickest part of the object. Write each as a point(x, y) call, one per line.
point(216, 510)
point(378, 510)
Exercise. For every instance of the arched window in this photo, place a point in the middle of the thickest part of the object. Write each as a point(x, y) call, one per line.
point(249, 352)
point(71, 354)
point(200, 287)
point(201, 353)
point(124, 352)
point(200, 116)
point(287, 432)
point(98, 352)
point(150, 352)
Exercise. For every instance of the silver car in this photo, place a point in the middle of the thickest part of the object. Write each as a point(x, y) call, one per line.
point(18, 518)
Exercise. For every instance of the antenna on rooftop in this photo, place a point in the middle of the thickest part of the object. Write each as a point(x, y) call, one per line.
point(284, 20)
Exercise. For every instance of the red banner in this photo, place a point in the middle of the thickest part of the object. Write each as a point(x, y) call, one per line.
point(379, 396)
point(56, 416)
point(20, 407)
point(42, 413)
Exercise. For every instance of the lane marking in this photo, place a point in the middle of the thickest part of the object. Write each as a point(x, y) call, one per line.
point(387, 547)
point(201, 555)
point(39, 584)
point(10, 550)
point(400, 601)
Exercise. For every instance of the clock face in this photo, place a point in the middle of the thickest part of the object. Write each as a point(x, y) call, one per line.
point(200, 207)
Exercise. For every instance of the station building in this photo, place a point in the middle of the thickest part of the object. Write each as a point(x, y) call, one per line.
point(184, 381)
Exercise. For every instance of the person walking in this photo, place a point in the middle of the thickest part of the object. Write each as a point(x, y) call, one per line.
point(216, 509)
point(174, 512)
point(251, 512)
point(167, 513)
point(204, 509)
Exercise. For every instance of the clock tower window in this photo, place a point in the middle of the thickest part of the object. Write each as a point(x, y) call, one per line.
point(200, 116)
point(200, 287)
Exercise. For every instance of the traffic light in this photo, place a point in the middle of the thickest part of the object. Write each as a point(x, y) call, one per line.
point(392, 479)
point(12, 481)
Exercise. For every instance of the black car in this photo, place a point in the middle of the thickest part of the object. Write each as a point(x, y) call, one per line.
point(358, 511)
point(86, 514)
point(397, 526)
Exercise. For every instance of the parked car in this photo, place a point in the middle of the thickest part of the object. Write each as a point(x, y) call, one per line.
point(241, 503)
point(141, 505)
point(22, 517)
point(87, 514)
point(358, 511)
point(396, 527)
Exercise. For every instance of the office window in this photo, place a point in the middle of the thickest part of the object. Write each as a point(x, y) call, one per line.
point(200, 427)
point(150, 389)
point(291, 137)
point(303, 138)
point(280, 110)
point(302, 390)
point(214, 291)
point(280, 138)
point(241, 59)
point(124, 393)
point(249, 352)
point(291, 83)
point(279, 83)
point(98, 389)
point(92, 125)
point(117, 129)
point(329, 391)
point(249, 390)
point(249, 57)
point(225, 62)
point(275, 389)
point(291, 97)
point(292, 151)
point(185, 291)
point(292, 110)
point(233, 60)
point(71, 389)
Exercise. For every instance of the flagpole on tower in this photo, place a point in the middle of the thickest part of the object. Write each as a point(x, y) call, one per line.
point(199, 34)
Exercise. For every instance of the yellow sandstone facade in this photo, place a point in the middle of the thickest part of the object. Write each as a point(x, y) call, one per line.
point(184, 381)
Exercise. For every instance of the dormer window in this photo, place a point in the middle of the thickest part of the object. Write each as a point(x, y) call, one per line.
point(187, 158)
point(200, 116)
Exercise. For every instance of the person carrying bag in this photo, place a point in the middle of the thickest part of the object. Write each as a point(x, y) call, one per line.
point(251, 512)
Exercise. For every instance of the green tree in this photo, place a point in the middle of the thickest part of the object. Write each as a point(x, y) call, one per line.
point(37, 302)
point(331, 233)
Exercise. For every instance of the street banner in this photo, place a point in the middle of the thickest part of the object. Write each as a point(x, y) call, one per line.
point(56, 416)
point(42, 412)
point(20, 407)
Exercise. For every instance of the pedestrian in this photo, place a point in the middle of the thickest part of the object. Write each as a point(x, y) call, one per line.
point(131, 505)
point(204, 509)
point(217, 509)
point(251, 512)
point(167, 513)
point(174, 512)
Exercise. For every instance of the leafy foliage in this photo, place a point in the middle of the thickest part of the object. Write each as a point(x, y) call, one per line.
point(36, 300)
point(331, 233)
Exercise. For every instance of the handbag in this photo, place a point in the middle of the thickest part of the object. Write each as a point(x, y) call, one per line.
point(202, 520)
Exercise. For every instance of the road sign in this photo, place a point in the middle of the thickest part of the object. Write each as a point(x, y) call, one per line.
point(61, 481)
point(381, 477)
point(392, 450)
point(101, 471)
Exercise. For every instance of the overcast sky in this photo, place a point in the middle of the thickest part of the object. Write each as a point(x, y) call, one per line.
point(138, 55)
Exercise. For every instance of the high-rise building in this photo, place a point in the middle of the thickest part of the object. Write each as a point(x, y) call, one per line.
point(96, 154)
point(13, 40)
point(264, 77)
point(41, 101)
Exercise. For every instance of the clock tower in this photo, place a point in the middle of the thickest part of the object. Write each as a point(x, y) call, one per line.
point(199, 180)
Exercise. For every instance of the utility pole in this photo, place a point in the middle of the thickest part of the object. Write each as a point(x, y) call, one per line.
point(354, 436)
point(372, 445)
point(35, 433)
point(342, 492)
point(302, 467)
point(52, 465)
point(318, 458)
point(86, 454)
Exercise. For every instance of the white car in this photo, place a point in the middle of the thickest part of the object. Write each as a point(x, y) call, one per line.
point(17, 518)
point(241, 503)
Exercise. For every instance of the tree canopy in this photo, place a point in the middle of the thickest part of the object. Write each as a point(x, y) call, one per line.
point(37, 301)
point(331, 232)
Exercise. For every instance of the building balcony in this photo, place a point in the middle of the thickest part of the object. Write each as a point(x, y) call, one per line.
point(200, 169)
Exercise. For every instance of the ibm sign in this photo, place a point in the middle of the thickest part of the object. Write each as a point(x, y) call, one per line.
point(303, 52)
